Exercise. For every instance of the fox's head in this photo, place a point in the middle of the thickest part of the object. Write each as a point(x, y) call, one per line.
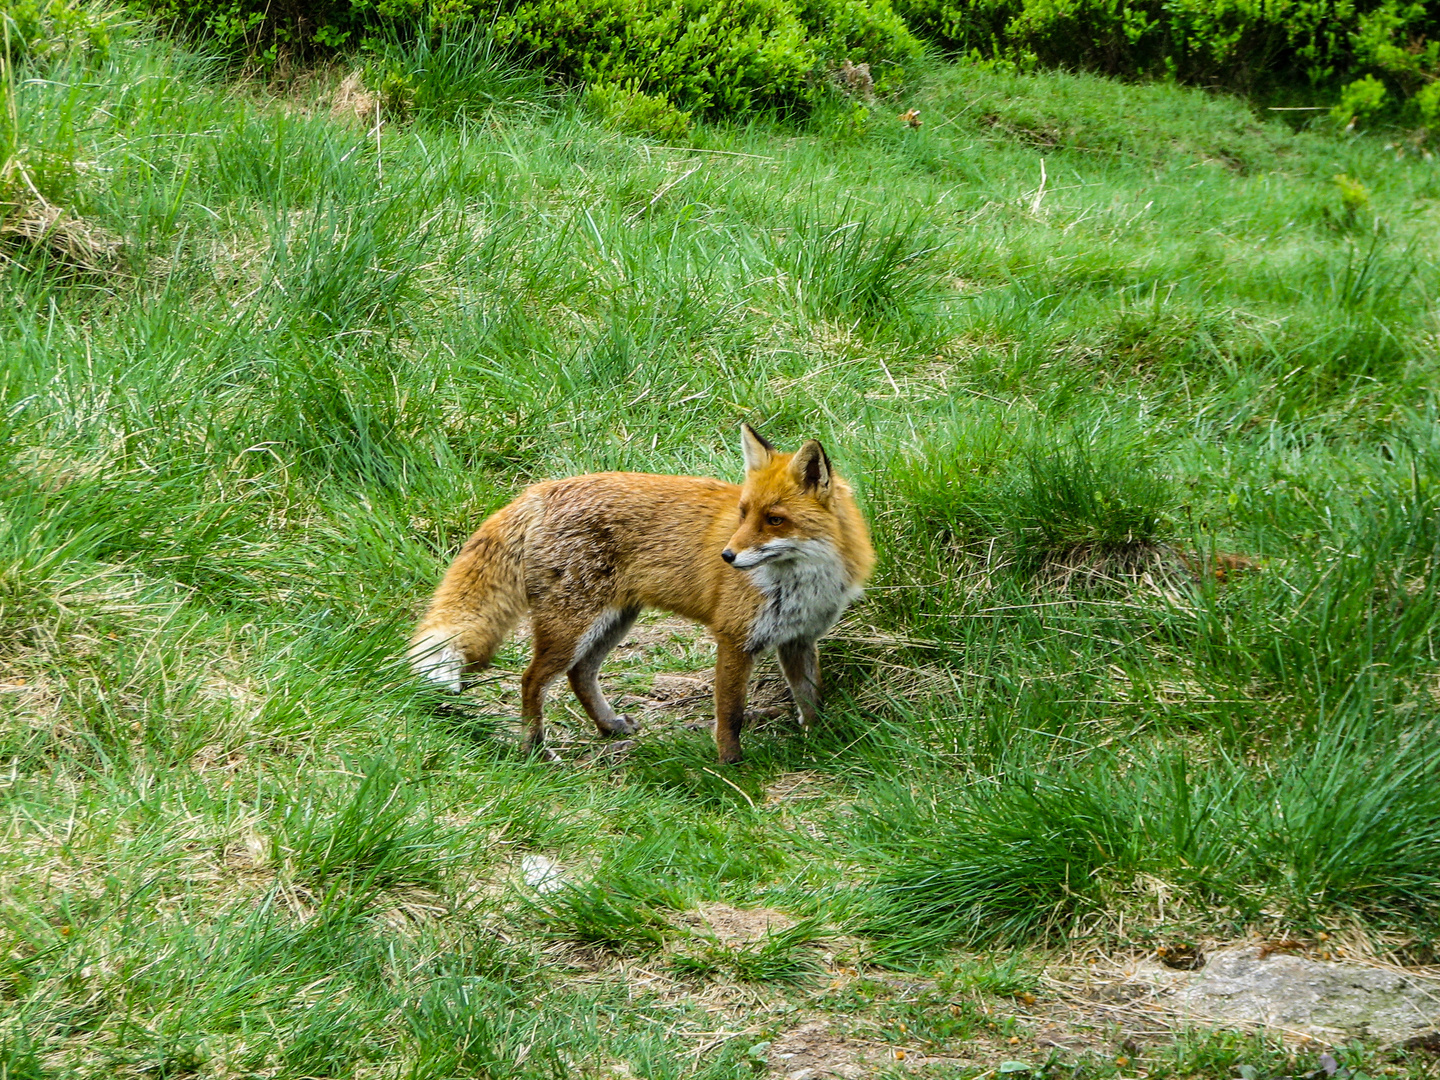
point(785, 504)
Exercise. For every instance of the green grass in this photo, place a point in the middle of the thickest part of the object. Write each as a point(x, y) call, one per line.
point(238, 838)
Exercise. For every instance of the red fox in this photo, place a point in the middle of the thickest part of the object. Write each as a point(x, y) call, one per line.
point(768, 565)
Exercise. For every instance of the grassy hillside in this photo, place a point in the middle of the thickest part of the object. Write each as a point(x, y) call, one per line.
point(1140, 400)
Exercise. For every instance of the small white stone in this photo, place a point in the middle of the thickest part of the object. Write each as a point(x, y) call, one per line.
point(542, 874)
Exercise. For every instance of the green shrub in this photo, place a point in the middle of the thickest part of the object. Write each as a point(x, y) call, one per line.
point(1354, 196)
point(1359, 101)
point(957, 27)
point(709, 55)
point(262, 30)
point(1248, 45)
point(630, 110)
point(1427, 105)
point(703, 54)
point(35, 30)
point(862, 30)
point(700, 55)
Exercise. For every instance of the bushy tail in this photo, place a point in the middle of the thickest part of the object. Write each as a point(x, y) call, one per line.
point(479, 601)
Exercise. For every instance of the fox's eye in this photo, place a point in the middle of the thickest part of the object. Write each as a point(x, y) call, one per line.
point(775, 519)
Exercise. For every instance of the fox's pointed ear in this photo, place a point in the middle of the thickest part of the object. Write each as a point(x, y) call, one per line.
point(811, 469)
point(757, 451)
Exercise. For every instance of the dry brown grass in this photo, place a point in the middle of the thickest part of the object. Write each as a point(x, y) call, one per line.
point(30, 222)
point(353, 104)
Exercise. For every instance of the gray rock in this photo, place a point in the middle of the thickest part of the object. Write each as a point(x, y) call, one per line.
point(1319, 998)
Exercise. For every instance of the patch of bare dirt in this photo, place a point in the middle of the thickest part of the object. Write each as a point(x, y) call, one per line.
point(1049, 1036)
point(248, 854)
point(735, 926)
point(675, 697)
point(815, 1050)
point(661, 631)
point(795, 787)
point(673, 690)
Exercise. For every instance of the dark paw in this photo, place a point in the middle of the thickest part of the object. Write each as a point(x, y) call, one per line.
point(621, 725)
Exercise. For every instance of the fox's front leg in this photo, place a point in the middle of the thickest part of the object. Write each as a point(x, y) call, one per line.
point(800, 663)
point(732, 677)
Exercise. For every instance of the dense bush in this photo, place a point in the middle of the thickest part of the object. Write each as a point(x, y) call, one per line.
point(708, 55)
point(1369, 58)
point(1383, 53)
point(264, 30)
point(630, 110)
point(723, 55)
point(33, 29)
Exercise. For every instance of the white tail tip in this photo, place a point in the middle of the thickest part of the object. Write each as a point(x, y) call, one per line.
point(434, 657)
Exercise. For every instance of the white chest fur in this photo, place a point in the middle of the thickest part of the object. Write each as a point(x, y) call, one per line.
point(805, 593)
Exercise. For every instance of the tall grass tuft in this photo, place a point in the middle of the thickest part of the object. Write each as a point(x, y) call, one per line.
point(619, 911)
point(1087, 495)
point(1010, 862)
point(861, 268)
point(1044, 493)
point(1353, 617)
point(779, 957)
point(377, 838)
point(479, 1027)
point(1345, 822)
point(456, 74)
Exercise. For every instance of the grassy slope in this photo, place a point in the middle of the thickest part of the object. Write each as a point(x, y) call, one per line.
point(238, 838)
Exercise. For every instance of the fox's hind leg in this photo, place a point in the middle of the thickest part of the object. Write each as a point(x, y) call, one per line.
point(800, 663)
point(554, 647)
point(607, 631)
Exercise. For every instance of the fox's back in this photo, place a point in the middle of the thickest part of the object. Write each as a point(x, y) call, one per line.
point(637, 538)
point(628, 510)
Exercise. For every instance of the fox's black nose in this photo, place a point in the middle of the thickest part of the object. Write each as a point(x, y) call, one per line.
point(727, 555)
